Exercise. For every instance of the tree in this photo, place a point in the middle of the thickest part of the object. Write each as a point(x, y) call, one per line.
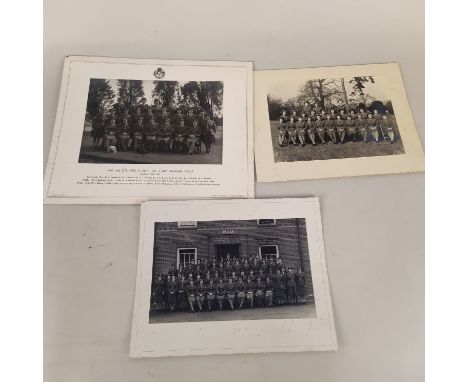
point(100, 97)
point(275, 106)
point(209, 94)
point(165, 90)
point(359, 84)
point(320, 90)
point(130, 91)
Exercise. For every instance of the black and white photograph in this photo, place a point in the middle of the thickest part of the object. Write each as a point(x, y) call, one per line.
point(332, 118)
point(225, 270)
point(231, 276)
point(150, 122)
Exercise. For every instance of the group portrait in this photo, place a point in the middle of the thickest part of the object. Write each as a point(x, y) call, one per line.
point(153, 122)
point(230, 270)
point(332, 118)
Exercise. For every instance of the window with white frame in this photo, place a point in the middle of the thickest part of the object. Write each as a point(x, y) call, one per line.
point(187, 224)
point(186, 256)
point(268, 252)
point(266, 221)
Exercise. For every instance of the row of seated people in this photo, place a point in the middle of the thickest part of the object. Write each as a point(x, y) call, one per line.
point(147, 134)
point(235, 290)
point(335, 128)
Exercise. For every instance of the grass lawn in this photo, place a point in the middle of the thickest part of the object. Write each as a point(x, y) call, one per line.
point(276, 312)
point(332, 151)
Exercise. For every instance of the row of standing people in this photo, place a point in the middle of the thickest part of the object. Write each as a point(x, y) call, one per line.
point(235, 290)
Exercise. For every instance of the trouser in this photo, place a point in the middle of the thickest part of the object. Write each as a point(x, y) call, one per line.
point(191, 141)
point(181, 296)
point(124, 140)
point(321, 135)
point(220, 299)
point(312, 137)
point(172, 298)
point(250, 298)
point(241, 299)
point(293, 138)
point(166, 140)
point(363, 134)
point(375, 135)
point(301, 138)
point(210, 298)
point(231, 297)
point(352, 133)
point(259, 298)
point(138, 142)
point(342, 135)
point(191, 301)
point(269, 298)
point(150, 142)
point(391, 135)
point(200, 301)
point(332, 135)
point(281, 139)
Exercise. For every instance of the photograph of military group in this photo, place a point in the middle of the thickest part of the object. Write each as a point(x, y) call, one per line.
point(332, 118)
point(231, 270)
point(137, 122)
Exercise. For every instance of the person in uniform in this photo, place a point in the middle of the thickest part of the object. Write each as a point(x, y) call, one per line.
point(201, 294)
point(352, 106)
point(165, 135)
point(210, 293)
point(341, 107)
point(143, 106)
point(350, 128)
point(300, 286)
point(269, 291)
point(376, 115)
point(294, 116)
point(352, 114)
point(292, 133)
point(138, 135)
point(372, 126)
point(361, 127)
point(208, 134)
point(151, 132)
point(231, 293)
point(319, 125)
point(284, 115)
point(330, 127)
point(301, 130)
point(363, 113)
point(191, 295)
point(172, 293)
point(180, 135)
point(340, 128)
point(342, 114)
point(310, 128)
point(193, 136)
point(240, 292)
point(159, 293)
point(329, 106)
point(291, 287)
point(306, 109)
point(220, 293)
point(97, 131)
point(388, 128)
point(124, 134)
point(249, 291)
point(282, 133)
point(317, 109)
point(181, 292)
point(110, 134)
point(259, 292)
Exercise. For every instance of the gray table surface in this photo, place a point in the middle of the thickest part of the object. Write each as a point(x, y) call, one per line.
point(373, 226)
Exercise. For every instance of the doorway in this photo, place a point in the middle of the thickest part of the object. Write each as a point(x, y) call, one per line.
point(226, 251)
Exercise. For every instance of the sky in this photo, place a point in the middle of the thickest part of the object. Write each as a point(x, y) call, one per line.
point(290, 88)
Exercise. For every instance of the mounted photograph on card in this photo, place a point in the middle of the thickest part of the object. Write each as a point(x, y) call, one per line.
point(327, 122)
point(129, 130)
point(234, 276)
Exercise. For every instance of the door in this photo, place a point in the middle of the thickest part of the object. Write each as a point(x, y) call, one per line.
point(226, 251)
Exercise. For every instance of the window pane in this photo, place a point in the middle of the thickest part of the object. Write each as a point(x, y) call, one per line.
point(268, 250)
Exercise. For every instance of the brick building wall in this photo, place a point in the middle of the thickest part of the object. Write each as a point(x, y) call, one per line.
point(246, 236)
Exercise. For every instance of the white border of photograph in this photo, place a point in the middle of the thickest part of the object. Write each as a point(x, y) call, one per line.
point(269, 171)
point(234, 178)
point(228, 337)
